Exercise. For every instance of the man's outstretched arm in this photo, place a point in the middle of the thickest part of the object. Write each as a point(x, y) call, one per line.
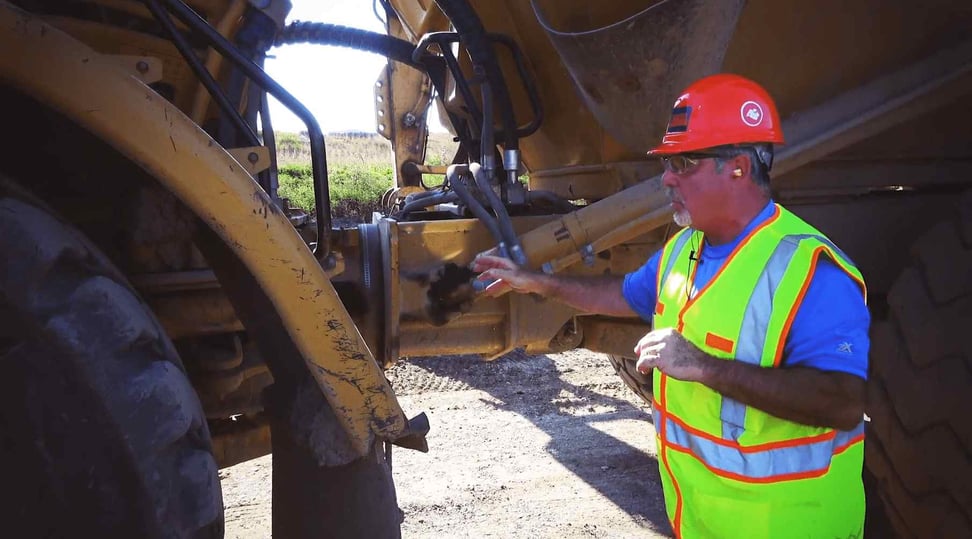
point(597, 295)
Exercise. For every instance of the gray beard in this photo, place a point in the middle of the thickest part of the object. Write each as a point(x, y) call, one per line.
point(683, 218)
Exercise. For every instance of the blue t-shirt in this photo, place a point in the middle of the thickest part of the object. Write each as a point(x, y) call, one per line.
point(829, 331)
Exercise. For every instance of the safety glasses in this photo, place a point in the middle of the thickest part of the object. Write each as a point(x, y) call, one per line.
point(684, 163)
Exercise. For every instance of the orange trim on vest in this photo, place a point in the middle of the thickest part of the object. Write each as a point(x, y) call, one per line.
point(677, 523)
point(660, 308)
point(806, 440)
point(743, 242)
point(815, 257)
point(743, 479)
point(719, 343)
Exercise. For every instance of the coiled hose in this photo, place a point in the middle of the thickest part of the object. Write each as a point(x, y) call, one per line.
point(344, 36)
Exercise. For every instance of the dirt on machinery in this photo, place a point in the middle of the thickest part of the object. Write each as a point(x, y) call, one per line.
point(524, 446)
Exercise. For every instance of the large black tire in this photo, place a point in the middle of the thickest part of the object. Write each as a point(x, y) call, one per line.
point(919, 444)
point(639, 383)
point(319, 488)
point(101, 434)
point(325, 492)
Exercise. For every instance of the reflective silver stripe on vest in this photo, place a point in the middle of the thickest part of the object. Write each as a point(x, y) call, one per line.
point(766, 464)
point(824, 240)
point(752, 335)
point(676, 249)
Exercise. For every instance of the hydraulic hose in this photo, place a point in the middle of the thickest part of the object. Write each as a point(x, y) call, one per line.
point(422, 194)
point(425, 202)
point(480, 49)
point(502, 216)
point(270, 140)
point(344, 36)
point(322, 196)
point(558, 202)
point(529, 85)
point(199, 69)
point(394, 48)
point(453, 174)
point(488, 140)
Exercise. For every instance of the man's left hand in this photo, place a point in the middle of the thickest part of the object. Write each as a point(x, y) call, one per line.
point(668, 351)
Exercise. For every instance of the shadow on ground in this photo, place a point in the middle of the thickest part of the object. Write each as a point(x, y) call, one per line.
point(534, 388)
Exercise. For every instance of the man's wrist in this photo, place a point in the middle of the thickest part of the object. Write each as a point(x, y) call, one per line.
point(709, 368)
point(547, 285)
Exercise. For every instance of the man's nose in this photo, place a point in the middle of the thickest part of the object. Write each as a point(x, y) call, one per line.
point(669, 178)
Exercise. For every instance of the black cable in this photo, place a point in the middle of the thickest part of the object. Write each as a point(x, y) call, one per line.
point(344, 36)
point(528, 83)
point(480, 49)
point(197, 66)
point(487, 152)
point(374, 7)
point(270, 141)
point(438, 198)
point(502, 216)
point(390, 47)
point(444, 40)
point(322, 198)
point(423, 194)
point(453, 174)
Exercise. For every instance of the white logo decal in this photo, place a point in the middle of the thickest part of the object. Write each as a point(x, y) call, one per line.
point(845, 347)
point(751, 113)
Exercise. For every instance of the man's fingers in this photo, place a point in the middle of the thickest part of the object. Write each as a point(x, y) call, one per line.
point(645, 342)
point(497, 288)
point(493, 274)
point(482, 262)
point(646, 363)
point(491, 282)
point(485, 262)
point(653, 338)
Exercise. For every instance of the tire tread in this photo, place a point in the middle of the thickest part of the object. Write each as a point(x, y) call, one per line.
point(79, 308)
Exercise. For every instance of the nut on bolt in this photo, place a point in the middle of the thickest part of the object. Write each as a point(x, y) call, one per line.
point(253, 157)
point(142, 66)
point(587, 254)
point(409, 120)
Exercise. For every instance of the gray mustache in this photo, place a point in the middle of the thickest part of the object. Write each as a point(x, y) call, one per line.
point(671, 195)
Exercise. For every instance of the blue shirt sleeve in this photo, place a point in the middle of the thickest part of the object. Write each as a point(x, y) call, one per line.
point(640, 288)
point(830, 329)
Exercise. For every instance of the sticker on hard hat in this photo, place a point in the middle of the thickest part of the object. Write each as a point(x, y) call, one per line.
point(752, 113)
point(680, 119)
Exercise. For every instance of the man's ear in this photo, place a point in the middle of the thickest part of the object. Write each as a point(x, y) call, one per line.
point(739, 166)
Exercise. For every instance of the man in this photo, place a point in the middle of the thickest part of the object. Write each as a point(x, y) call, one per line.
point(759, 334)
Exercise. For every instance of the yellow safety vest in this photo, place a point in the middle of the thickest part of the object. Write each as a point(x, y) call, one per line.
point(730, 470)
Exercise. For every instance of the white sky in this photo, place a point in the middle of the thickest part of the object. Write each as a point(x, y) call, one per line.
point(335, 83)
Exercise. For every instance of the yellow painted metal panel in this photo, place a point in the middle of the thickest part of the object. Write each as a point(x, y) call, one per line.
point(92, 90)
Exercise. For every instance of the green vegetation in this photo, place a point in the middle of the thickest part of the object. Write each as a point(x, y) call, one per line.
point(359, 169)
point(361, 183)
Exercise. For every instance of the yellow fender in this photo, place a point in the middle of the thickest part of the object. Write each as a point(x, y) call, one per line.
point(114, 105)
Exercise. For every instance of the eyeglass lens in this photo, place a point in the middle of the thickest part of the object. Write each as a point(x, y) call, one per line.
point(680, 163)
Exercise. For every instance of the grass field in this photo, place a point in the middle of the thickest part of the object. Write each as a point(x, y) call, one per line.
point(359, 169)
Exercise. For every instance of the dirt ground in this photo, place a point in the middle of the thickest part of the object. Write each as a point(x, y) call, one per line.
point(524, 446)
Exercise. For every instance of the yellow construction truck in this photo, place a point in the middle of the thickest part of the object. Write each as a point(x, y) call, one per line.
point(164, 313)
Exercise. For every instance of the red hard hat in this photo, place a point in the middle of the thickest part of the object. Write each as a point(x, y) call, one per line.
point(721, 110)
